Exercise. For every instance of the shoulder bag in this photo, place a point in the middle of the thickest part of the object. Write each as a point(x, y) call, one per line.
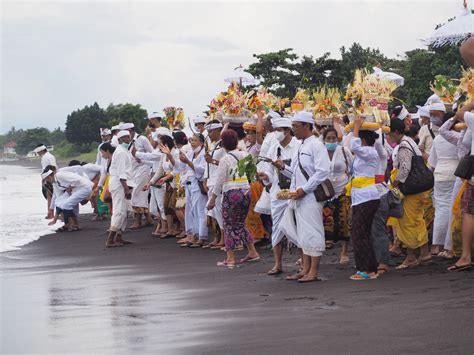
point(420, 178)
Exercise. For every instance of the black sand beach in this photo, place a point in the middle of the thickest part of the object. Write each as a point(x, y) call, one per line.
point(66, 293)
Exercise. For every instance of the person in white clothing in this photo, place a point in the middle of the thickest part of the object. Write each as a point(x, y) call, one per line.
point(365, 200)
point(310, 166)
point(270, 173)
point(467, 205)
point(120, 187)
point(70, 189)
point(140, 176)
point(430, 131)
point(212, 156)
point(47, 159)
point(444, 160)
point(200, 126)
point(196, 196)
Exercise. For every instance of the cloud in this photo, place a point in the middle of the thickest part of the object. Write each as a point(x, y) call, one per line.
point(58, 56)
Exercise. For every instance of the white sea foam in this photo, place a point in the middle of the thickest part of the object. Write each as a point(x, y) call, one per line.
point(23, 208)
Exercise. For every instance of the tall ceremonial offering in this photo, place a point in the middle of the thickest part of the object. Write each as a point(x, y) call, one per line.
point(368, 96)
point(301, 101)
point(326, 105)
point(446, 90)
point(465, 91)
point(262, 99)
point(174, 117)
point(232, 105)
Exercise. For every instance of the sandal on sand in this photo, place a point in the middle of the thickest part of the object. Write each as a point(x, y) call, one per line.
point(248, 258)
point(274, 272)
point(185, 245)
point(344, 260)
point(460, 267)
point(411, 265)
point(309, 279)
point(216, 247)
point(361, 275)
point(294, 277)
point(197, 245)
point(226, 264)
point(445, 254)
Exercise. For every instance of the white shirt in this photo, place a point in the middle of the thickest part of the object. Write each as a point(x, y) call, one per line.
point(426, 140)
point(48, 159)
point(340, 170)
point(216, 152)
point(314, 158)
point(469, 119)
point(444, 159)
point(366, 164)
point(114, 141)
point(142, 144)
point(120, 168)
point(196, 174)
point(286, 153)
point(154, 158)
point(66, 179)
point(91, 170)
point(227, 174)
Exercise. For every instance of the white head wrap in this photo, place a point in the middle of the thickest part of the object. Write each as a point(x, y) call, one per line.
point(281, 123)
point(437, 106)
point(127, 126)
point(163, 131)
point(403, 113)
point(199, 119)
point(123, 134)
point(211, 126)
point(154, 115)
point(423, 111)
point(433, 98)
point(303, 116)
point(39, 149)
point(105, 132)
point(46, 174)
point(114, 128)
point(273, 115)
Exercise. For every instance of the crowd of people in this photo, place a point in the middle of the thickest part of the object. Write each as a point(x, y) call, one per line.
point(396, 193)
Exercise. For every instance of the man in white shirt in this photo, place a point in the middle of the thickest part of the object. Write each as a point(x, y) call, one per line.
point(280, 154)
point(310, 166)
point(120, 187)
point(70, 189)
point(47, 159)
point(140, 176)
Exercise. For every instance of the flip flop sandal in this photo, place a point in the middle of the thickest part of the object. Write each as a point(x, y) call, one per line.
point(217, 247)
point(460, 267)
point(249, 259)
point(408, 266)
point(361, 276)
point(186, 245)
point(196, 245)
point(226, 264)
point(294, 277)
point(274, 272)
point(310, 279)
point(382, 271)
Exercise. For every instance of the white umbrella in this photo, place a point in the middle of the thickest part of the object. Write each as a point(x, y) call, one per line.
point(454, 31)
point(397, 79)
point(241, 76)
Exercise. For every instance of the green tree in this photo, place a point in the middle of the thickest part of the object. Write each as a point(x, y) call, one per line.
point(57, 136)
point(83, 126)
point(30, 138)
point(127, 113)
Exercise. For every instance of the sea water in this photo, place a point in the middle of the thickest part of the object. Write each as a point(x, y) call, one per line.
point(23, 207)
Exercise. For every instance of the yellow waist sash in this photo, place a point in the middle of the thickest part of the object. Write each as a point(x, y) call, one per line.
point(244, 179)
point(359, 182)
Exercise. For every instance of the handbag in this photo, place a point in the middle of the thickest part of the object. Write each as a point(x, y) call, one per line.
point(324, 191)
point(465, 168)
point(203, 188)
point(420, 178)
point(395, 203)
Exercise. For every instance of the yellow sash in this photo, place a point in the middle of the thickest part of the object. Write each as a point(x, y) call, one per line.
point(244, 179)
point(104, 188)
point(359, 182)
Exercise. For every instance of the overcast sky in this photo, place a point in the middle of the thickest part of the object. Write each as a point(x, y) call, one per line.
point(60, 56)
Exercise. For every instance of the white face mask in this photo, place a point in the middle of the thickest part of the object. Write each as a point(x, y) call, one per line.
point(280, 136)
